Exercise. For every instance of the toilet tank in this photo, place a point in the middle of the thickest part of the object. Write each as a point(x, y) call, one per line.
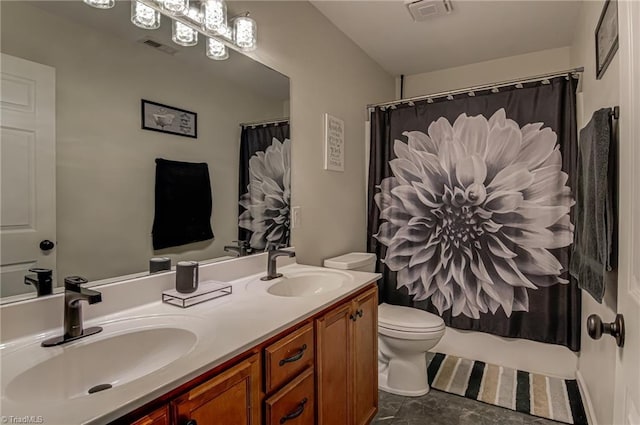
point(357, 261)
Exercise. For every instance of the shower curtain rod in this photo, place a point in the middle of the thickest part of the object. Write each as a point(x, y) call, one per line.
point(472, 89)
point(267, 122)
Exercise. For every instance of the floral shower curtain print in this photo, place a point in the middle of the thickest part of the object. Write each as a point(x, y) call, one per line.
point(470, 210)
point(265, 186)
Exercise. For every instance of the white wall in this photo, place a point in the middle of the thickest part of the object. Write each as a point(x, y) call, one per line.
point(329, 74)
point(518, 353)
point(596, 365)
point(503, 69)
point(105, 162)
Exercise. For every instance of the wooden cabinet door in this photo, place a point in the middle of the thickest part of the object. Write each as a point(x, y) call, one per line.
point(233, 397)
point(365, 357)
point(157, 417)
point(333, 366)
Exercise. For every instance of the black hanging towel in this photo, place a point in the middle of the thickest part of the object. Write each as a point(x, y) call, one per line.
point(183, 203)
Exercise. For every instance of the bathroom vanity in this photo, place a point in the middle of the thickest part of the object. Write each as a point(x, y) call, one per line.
point(326, 362)
point(304, 356)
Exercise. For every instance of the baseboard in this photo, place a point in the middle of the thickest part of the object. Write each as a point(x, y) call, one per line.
point(586, 399)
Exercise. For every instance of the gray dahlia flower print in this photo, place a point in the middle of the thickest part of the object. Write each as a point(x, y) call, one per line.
point(268, 196)
point(472, 212)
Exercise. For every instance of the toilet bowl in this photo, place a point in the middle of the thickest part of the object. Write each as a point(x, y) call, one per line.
point(404, 336)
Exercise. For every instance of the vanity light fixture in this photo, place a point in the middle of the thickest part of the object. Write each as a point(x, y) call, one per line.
point(214, 15)
point(207, 17)
point(101, 4)
point(184, 35)
point(245, 30)
point(175, 7)
point(216, 50)
point(144, 16)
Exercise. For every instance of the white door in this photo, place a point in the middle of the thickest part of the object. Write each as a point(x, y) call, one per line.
point(27, 171)
point(627, 396)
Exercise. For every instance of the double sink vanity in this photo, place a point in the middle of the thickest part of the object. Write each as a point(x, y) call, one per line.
point(298, 349)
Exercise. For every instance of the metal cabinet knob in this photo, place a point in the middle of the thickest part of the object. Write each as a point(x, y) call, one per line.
point(595, 328)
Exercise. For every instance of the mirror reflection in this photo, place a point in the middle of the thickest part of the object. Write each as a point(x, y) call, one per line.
point(80, 174)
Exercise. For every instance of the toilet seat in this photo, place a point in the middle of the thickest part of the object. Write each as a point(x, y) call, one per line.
point(407, 320)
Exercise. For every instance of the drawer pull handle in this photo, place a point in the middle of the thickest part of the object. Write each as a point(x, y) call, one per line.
point(295, 413)
point(359, 313)
point(297, 356)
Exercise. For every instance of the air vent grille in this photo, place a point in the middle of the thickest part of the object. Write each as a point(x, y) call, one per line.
point(158, 46)
point(423, 10)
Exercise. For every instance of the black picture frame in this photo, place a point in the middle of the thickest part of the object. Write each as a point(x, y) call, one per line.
point(158, 117)
point(606, 36)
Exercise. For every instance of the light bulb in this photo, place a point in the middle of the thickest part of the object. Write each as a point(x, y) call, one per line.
point(184, 35)
point(144, 17)
point(245, 33)
point(195, 15)
point(176, 7)
point(101, 4)
point(214, 13)
point(216, 50)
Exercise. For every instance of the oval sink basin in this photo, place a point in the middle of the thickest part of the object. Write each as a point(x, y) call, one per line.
point(307, 284)
point(100, 364)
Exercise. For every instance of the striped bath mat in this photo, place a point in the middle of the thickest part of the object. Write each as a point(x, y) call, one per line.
point(553, 398)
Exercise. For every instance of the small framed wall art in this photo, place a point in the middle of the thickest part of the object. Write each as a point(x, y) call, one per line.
point(168, 119)
point(606, 37)
point(333, 143)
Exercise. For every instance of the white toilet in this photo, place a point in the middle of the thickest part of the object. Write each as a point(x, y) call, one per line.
point(405, 335)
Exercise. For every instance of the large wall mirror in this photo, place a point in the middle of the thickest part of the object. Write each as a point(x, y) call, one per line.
point(105, 162)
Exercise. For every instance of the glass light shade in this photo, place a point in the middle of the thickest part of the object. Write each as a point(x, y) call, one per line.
point(101, 4)
point(184, 35)
point(227, 32)
point(195, 15)
point(214, 13)
point(245, 33)
point(144, 17)
point(176, 7)
point(216, 50)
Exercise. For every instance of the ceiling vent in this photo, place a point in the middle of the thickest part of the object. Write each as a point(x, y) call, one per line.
point(423, 10)
point(158, 46)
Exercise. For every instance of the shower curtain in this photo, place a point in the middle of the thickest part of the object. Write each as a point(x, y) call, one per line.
point(470, 209)
point(265, 186)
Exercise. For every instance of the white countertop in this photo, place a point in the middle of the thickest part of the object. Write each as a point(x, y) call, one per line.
point(224, 328)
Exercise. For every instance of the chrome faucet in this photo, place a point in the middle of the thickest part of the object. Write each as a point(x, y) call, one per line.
point(74, 294)
point(271, 263)
point(242, 249)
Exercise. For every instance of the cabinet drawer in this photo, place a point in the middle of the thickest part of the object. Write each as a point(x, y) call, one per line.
point(157, 417)
point(288, 357)
point(293, 404)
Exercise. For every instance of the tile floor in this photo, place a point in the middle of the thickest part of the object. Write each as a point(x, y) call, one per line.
point(439, 408)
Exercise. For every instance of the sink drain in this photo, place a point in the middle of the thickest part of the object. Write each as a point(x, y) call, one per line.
point(99, 388)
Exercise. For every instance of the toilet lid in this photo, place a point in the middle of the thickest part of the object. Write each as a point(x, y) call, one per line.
point(407, 319)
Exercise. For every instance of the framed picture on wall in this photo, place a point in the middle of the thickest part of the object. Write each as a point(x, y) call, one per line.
point(168, 119)
point(606, 37)
point(333, 143)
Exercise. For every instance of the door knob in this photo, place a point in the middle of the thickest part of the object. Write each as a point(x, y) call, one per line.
point(46, 245)
point(595, 328)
